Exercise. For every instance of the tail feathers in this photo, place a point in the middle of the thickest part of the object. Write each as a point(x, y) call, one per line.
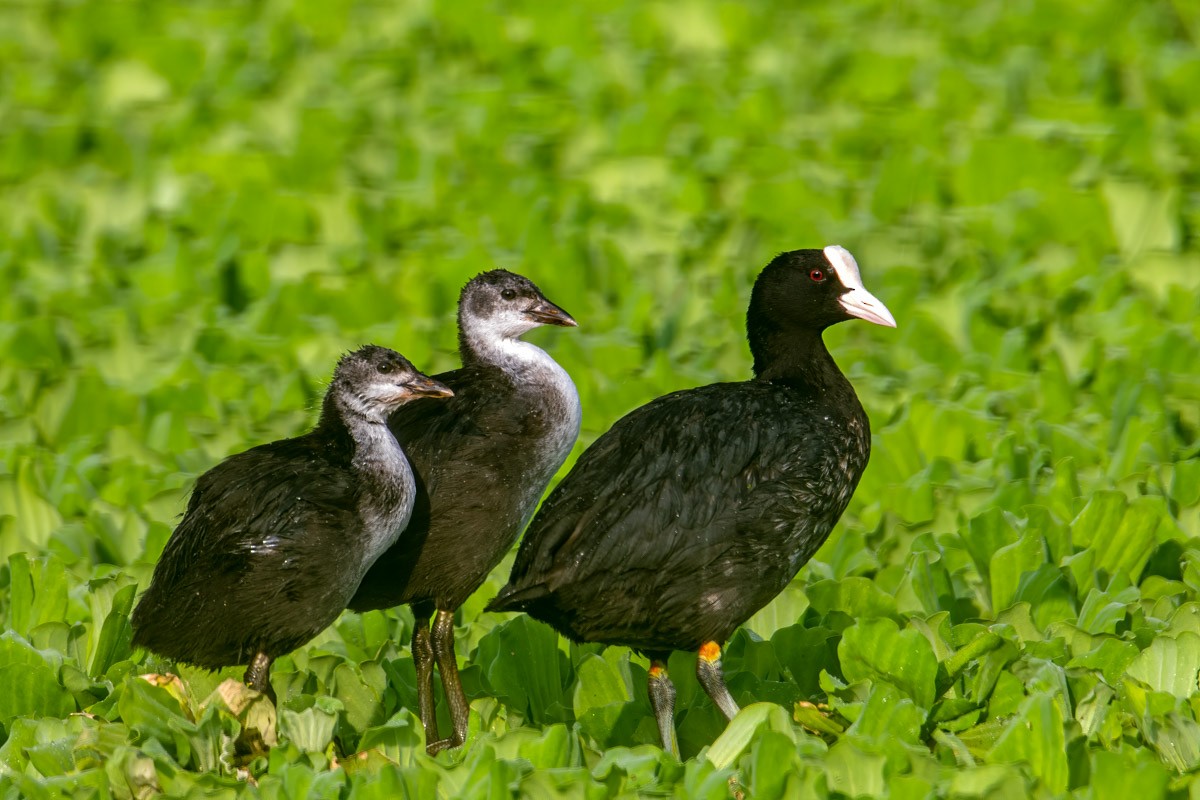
point(518, 598)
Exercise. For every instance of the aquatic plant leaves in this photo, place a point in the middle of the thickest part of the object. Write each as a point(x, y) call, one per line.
point(742, 730)
point(28, 682)
point(878, 650)
point(524, 668)
point(1169, 664)
point(1035, 737)
point(310, 729)
point(232, 199)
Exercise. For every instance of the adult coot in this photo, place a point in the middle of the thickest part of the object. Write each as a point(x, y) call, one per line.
point(276, 539)
point(482, 461)
point(696, 509)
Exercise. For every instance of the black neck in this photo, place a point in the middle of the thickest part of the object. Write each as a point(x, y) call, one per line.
point(794, 356)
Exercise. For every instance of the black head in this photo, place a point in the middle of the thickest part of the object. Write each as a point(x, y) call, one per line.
point(374, 380)
point(503, 305)
point(804, 292)
point(813, 289)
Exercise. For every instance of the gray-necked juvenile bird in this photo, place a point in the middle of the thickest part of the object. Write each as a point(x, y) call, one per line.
point(697, 509)
point(276, 539)
point(482, 461)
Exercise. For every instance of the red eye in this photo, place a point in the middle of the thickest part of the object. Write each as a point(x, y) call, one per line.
point(817, 275)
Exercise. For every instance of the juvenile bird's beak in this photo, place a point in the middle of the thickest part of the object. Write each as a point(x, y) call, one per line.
point(425, 386)
point(543, 312)
point(860, 303)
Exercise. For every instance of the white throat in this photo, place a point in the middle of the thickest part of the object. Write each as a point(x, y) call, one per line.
point(496, 340)
point(534, 373)
point(547, 393)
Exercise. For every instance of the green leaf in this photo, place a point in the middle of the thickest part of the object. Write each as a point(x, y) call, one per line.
point(1102, 513)
point(399, 739)
point(770, 764)
point(931, 582)
point(361, 698)
point(855, 597)
point(1036, 738)
point(1185, 483)
point(524, 668)
point(1111, 658)
point(149, 709)
point(1143, 217)
point(988, 533)
point(1169, 665)
point(1092, 710)
point(1010, 564)
point(1102, 611)
point(853, 772)
point(116, 633)
point(1121, 534)
point(878, 650)
point(1117, 776)
point(20, 587)
point(742, 730)
point(642, 768)
point(603, 702)
point(888, 716)
point(311, 730)
point(1048, 593)
point(804, 653)
point(44, 743)
point(981, 645)
point(28, 682)
point(811, 717)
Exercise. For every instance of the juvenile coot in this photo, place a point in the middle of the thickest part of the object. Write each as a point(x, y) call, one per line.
point(695, 510)
point(482, 461)
point(276, 539)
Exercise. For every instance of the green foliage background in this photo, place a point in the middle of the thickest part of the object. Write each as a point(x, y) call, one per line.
point(202, 204)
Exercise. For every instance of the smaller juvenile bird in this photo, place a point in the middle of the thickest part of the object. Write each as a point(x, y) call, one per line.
point(276, 539)
point(482, 461)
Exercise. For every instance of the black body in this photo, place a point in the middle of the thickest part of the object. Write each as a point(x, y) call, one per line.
point(275, 540)
point(257, 565)
point(692, 512)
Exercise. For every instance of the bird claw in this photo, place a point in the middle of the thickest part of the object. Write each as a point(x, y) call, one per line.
point(433, 748)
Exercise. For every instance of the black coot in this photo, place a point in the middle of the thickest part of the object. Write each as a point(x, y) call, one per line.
point(276, 539)
point(482, 461)
point(695, 510)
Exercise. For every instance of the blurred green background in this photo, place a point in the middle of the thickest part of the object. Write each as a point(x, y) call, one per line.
point(202, 205)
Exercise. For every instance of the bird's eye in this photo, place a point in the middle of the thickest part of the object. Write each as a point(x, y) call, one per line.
point(384, 367)
point(508, 294)
point(817, 275)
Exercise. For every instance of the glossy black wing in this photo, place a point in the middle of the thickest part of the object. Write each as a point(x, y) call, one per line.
point(256, 510)
point(690, 480)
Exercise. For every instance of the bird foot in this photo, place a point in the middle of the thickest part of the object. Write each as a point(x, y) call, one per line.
point(433, 748)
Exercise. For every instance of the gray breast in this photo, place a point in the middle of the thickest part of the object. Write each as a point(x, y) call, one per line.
point(548, 391)
point(386, 502)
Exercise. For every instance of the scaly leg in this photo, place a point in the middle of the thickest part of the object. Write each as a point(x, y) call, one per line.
point(422, 652)
point(258, 675)
point(443, 653)
point(662, 699)
point(708, 671)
